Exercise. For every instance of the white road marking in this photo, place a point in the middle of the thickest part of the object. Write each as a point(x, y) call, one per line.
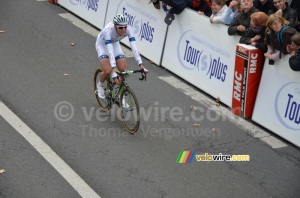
point(249, 127)
point(41, 0)
point(64, 169)
point(90, 30)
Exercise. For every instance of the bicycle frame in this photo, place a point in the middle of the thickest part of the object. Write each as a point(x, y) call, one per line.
point(123, 84)
point(123, 96)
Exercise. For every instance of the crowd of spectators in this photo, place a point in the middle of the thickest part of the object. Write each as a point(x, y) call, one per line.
point(269, 25)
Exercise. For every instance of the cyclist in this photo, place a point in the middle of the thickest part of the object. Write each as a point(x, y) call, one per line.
point(110, 53)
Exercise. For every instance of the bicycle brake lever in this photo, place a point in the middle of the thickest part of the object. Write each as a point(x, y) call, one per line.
point(141, 79)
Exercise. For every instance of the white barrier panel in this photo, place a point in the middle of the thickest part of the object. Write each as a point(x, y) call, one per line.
point(147, 22)
point(277, 104)
point(201, 53)
point(93, 11)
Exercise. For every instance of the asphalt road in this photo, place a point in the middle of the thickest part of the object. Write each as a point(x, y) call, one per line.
point(35, 54)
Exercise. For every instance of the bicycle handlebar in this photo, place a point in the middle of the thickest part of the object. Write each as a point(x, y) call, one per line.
point(134, 71)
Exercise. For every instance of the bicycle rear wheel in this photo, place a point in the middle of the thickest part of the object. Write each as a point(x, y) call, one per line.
point(129, 109)
point(104, 103)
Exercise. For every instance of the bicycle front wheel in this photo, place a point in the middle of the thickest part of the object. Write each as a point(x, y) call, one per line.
point(129, 109)
point(104, 103)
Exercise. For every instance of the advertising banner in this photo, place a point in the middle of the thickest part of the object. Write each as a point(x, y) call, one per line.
point(147, 22)
point(203, 56)
point(277, 104)
point(247, 73)
point(93, 11)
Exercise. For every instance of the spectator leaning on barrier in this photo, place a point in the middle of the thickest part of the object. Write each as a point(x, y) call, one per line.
point(294, 50)
point(264, 5)
point(242, 20)
point(219, 9)
point(202, 6)
point(233, 10)
point(177, 6)
point(255, 35)
point(278, 36)
point(283, 9)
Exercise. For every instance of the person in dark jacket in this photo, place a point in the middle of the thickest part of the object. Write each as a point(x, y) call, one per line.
point(177, 6)
point(264, 5)
point(295, 4)
point(255, 35)
point(278, 37)
point(283, 9)
point(242, 21)
point(294, 50)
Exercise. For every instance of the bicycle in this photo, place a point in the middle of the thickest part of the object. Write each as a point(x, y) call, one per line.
point(122, 96)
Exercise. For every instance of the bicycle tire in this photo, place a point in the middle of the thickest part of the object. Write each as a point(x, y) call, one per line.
point(104, 104)
point(130, 114)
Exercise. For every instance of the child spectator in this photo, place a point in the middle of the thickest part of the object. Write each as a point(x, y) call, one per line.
point(255, 35)
point(278, 36)
point(219, 9)
point(294, 50)
point(233, 10)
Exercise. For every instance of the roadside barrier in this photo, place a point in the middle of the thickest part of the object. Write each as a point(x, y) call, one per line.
point(204, 55)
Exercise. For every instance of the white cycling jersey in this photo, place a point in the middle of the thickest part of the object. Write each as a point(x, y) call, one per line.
point(108, 45)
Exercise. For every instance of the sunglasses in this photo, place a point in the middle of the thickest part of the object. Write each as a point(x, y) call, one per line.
point(122, 27)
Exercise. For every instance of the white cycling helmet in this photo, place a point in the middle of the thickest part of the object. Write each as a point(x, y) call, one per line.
point(120, 19)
